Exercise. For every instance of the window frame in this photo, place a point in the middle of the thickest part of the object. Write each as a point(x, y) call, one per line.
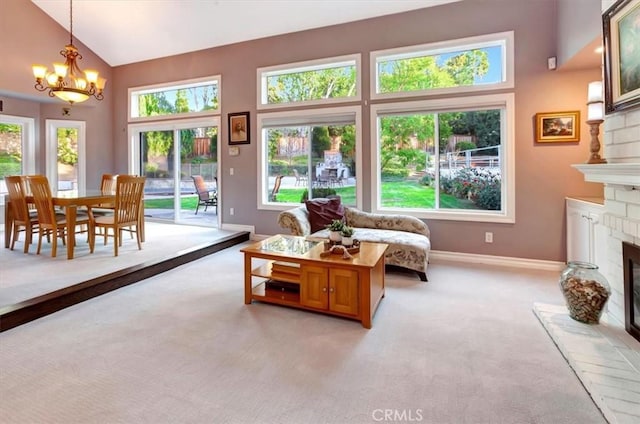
point(301, 117)
point(503, 39)
point(317, 64)
point(28, 144)
point(505, 101)
point(134, 92)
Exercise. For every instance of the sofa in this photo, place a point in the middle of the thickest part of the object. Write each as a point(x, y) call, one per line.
point(407, 236)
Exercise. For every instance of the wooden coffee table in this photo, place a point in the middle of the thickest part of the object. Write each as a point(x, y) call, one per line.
point(289, 270)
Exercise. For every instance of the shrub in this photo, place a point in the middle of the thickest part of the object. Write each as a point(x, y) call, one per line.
point(478, 185)
point(426, 180)
point(394, 174)
point(465, 145)
point(317, 192)
point(488, 197)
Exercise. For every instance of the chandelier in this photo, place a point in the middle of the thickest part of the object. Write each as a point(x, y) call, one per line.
point(66, 82)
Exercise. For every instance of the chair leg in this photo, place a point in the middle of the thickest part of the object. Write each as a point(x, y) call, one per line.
point(139, 239)
point(116, 241)
point(54, 245)
point(15, 236)
point(28, 235)
point(40, 235)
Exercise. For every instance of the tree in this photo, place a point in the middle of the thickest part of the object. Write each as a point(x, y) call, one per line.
point(421, 73)
point(320, 141)
point(483, 125)
point(312, 85)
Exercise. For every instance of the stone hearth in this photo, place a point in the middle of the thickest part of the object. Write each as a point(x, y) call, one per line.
point(605, 358)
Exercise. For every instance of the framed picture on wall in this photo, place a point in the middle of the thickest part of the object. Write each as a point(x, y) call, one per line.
point(239, 128)
point(620, 24)
point(558, 127)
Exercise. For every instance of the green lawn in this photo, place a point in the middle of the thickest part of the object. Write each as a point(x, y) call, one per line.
point(404, 194)
point(167, 203)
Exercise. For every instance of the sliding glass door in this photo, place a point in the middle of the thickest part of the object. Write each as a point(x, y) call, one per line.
point(169, 154)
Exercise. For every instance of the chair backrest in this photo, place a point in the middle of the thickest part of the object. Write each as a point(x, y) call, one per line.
point(16, 185)
point(129, 192)
point(276, 188)
point(201, 187)
point(108, 183)
point(41, 192)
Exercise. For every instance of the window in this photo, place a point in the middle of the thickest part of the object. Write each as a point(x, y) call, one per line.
point(322, 81)
point(464, 65)
point(177, 99)
point(17, 148)
point(445, 159)
point(306, 154)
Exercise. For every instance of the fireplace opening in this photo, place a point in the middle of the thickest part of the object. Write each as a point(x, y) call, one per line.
point(631, 265)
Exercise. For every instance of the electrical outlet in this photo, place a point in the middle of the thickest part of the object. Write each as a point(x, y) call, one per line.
point(488, 237)
point(230, 171)
point(231, 211)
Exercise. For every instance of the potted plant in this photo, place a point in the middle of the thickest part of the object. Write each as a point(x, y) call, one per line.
point(335, 229)
point(347, 235)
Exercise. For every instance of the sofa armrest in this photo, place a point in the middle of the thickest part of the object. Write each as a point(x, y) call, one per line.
point(360, 219)
point(296, 220)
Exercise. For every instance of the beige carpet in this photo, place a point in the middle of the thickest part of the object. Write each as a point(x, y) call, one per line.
point(26, 276)
point(182, 347)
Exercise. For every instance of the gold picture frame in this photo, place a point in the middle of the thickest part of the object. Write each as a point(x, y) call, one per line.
point(558, 127)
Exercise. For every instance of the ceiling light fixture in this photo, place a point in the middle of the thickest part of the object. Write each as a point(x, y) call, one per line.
point(65, 81)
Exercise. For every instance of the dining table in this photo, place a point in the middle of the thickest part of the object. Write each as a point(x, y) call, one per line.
point(70, 200)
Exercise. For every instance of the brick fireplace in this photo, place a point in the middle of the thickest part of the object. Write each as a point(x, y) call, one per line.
point(621, 177)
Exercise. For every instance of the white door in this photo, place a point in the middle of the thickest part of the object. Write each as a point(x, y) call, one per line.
point(66, 154)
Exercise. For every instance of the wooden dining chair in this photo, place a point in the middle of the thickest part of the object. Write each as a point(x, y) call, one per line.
point(24, 218)
point(107, 185)
point(126, 214)
point(51, 223)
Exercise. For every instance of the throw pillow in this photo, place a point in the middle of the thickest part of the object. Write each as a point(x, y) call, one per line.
point(322, 211)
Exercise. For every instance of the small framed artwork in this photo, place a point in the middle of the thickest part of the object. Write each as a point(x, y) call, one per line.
point(621, 56)
point(239, 128)
point(558, 127)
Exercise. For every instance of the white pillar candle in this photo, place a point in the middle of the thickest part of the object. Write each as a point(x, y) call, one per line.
point(595, 111)
point(595, 91)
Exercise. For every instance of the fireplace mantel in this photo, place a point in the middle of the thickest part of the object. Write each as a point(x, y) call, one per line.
point(626, 174)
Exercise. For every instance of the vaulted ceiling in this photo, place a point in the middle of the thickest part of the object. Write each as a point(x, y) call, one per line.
point(129, 31)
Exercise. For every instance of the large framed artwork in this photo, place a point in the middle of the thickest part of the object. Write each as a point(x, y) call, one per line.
point(621, 30)
point(558, 127)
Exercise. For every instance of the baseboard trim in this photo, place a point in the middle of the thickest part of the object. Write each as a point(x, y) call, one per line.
point(23, 312)
point(239, 227)
point(439, 255)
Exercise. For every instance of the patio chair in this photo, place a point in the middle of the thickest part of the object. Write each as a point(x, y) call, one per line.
point(300, 178)
point(276, 188)
point(206, 197)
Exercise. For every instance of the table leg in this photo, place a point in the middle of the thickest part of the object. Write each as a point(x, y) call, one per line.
point(247, 279)
point(71, 230)
point(141, 222)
